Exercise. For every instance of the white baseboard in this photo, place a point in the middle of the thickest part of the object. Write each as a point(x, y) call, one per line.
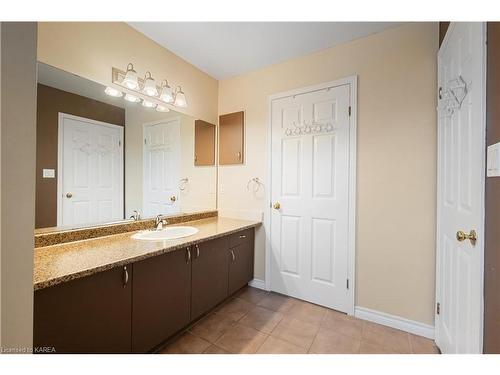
point(257, 283)
point(411, 326)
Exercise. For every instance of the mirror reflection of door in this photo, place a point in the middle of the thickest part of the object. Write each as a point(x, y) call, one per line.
point(91, 171)
point(161, 168)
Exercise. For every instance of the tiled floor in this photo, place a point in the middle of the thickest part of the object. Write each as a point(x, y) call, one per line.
point(256, 321)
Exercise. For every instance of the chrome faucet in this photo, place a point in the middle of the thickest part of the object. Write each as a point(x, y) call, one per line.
point(136, 215)
point(160, 222)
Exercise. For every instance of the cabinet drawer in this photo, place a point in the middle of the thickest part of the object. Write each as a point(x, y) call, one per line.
point(238, 238)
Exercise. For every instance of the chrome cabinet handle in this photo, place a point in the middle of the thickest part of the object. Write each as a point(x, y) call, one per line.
point(233, 256)
point(125, 276)
point(188, 254)
point(197, 251)
point(243, 236)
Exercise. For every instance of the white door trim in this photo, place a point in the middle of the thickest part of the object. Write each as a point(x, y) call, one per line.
point(60, 139)
point(352, 81)
point(480, 229)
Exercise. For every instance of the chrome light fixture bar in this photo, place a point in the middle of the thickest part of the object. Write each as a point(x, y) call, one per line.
point(145, 90)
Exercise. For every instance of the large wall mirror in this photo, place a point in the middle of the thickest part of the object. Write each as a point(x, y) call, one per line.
point(103, 159)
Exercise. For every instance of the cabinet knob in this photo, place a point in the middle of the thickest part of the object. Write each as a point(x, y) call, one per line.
point(69, 195)
point(277, 206)
point(188, 249)
point(173, 198)
point(233, 256)
point(197, 251)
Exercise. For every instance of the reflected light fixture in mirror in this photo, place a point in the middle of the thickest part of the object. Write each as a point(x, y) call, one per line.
point(132, 98)
point(166, 92)
point(148, 104)
point(113, 92)
point(130, 79)
point(180, 98)
point(149, 85)
point(162, 108)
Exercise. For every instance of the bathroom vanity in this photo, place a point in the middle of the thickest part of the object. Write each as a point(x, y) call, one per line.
point(115, 294)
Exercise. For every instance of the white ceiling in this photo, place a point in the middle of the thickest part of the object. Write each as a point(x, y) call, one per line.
point(226, 49)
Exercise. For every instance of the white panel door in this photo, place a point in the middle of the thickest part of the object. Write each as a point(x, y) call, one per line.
point(161, 168)
point(91, 171)
point(461, 145)
point(310, 181)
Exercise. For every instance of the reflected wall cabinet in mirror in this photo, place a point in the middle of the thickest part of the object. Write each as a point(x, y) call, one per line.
point(204, 143)
point(231, 138)
point(104, 157)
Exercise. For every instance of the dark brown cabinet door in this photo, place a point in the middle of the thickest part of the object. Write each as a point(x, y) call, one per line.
point(161, 291)
point(240, 265)
point(209, 275)
point(87, 315)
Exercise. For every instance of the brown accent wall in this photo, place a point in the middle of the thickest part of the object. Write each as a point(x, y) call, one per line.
point(50, 102)
point(443, 27)
point(492, 232)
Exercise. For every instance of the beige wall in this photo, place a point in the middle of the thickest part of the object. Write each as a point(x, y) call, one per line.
point(201, 189)
point(90, 49)
point(17, 160)
point(396, 159)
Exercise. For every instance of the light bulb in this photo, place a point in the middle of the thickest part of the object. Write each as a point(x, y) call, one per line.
point(180, 98)
point(149, 85)
point(132, 98)
point(148, 104)
point(130, 79)
point(166, 93)
point(113, 92)
point(161, 108)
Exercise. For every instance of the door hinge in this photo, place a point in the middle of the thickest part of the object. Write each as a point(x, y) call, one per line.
point(119, 143)
point(438, 308)
point(349, 111)
point(144, 140)
point(347, 284)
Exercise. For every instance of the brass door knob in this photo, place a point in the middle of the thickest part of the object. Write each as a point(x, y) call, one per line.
point(173, 198)
point(471, 236)
point(277, 206)
point(69, 195)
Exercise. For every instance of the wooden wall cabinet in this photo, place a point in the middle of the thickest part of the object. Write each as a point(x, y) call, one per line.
point(204, 143)
point(138, 307)
point(231, 138)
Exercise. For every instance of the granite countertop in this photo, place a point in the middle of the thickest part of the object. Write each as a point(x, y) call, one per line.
point(68, 261)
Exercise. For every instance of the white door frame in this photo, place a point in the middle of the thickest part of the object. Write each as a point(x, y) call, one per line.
point(60, 139)
point(352, 81)
point(152, 123)
point(480, 229)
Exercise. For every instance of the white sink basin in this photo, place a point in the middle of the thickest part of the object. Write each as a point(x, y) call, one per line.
point(169, 233)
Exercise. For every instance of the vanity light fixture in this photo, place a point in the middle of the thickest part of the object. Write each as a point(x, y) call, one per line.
point(180, 98)
point(113, 92)
point(149, 85)
point(145, 89)
point(148, 104)
point(132, 98)
point(130, 79)
point(162, 108)
point(166, 92)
